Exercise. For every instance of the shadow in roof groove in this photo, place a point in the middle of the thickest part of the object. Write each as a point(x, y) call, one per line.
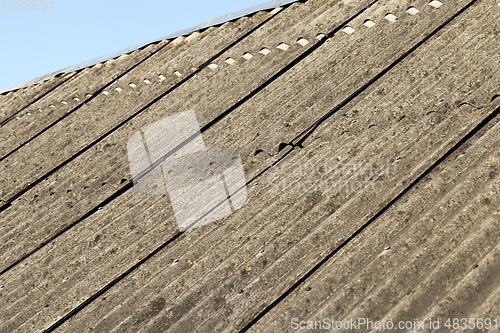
point(91, 299)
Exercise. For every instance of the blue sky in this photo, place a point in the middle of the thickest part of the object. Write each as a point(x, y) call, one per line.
point(35, 43)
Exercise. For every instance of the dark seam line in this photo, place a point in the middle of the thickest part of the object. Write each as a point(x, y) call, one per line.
point(36, 182)
point(71, 225)
point(307, 132)
point(109, 286)
point(371, 220)
point(36, 100)
point(129, 185)
point(94, 95)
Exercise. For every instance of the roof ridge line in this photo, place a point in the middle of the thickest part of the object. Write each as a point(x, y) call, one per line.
point(206, 24)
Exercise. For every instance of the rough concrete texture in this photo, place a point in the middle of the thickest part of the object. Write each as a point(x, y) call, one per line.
point(371, 161)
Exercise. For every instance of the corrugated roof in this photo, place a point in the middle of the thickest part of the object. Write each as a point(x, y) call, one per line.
point(370, 157)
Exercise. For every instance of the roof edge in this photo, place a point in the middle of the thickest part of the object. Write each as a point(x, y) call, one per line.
point(206, 24)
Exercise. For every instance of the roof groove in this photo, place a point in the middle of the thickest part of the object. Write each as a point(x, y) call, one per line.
point(390, 229)
point(413, 205)
point(434, 241)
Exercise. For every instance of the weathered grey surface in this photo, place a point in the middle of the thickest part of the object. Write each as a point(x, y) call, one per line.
point(229, 271)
